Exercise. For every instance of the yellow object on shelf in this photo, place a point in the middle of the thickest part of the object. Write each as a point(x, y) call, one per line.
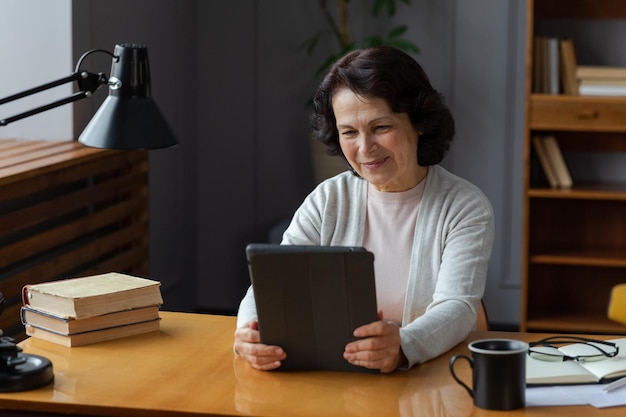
point(617, 304)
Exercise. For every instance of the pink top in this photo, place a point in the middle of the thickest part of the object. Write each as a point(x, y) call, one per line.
point(389, 234)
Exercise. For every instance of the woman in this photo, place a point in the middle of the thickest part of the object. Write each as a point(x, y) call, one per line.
point(431, 232)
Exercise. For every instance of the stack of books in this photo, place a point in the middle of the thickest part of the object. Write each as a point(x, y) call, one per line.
point(81, 311)
point(556, 71)
point(554, 66)
point(601, 81)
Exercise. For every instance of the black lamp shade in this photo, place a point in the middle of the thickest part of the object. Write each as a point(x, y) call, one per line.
point(129, 118)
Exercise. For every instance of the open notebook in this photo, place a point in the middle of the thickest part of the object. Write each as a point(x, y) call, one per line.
point(309, 300)
point(540, 372)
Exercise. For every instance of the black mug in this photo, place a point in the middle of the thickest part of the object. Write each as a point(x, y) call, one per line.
point(498, 373)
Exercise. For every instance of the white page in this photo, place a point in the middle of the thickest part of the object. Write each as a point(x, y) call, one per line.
point(595, 395)
point(601, 368)
point(591, 394)
point(550, 396)
point(548, 372)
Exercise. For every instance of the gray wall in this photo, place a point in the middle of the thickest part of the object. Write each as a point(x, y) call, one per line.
point(168, 28)
point(231, 81)
point(488, 103)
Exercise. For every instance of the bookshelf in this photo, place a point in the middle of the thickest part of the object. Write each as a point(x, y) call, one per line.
point(574, 248)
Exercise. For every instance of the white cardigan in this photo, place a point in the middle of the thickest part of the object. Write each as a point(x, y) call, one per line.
point(451, 249)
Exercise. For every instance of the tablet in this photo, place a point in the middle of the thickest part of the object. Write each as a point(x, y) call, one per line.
point(309, 300)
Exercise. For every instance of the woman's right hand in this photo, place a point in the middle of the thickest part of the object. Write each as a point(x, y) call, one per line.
point(249, 347)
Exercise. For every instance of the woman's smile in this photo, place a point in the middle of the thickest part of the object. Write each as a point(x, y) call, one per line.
point(372, 165)
point(380, 145)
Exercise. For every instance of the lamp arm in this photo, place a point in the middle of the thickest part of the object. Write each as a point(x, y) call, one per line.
point(88, 83)
point(74, 97)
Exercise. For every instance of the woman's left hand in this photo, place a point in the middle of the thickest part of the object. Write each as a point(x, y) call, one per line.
point(378, 348)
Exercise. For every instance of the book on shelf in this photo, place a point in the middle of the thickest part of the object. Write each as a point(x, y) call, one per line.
point(557, 161)
point(617, 304)
point(601, 81)
point(569, 82)
point(542, 372)
point(93, 336)
point(538, 81)
point(598, 72)
point(69, 326)
point(552, 161)
point(546, 65)
point(93, 295)
point(544, 160)
point(602, 89)
point(606, 83)
point(554, 67)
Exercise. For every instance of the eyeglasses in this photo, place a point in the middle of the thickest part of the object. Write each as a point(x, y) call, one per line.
point(587, 350)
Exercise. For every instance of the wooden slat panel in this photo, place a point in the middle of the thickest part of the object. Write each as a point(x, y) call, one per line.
point(83, 166)
point(8, 144)
point(65, 233)
point(126, 261)
point(68, 264)
point(66, 211)
point(32, 151)
point(41, 166)
point(49, 209)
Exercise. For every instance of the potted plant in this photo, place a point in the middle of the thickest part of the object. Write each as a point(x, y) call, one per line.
point(340, 28)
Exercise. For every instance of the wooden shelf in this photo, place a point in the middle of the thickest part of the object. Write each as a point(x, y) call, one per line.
point(600, 257)
point(559, 99)
point(575, 323)
point(574, 240)
point(580, 9)
point(609, 192)
point(576, 113)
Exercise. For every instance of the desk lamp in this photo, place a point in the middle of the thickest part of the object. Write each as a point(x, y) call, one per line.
point(129, 118)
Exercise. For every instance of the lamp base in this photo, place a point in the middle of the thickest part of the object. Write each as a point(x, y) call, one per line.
point(35, 372)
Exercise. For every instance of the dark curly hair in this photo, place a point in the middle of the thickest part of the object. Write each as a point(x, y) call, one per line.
point(388, 73)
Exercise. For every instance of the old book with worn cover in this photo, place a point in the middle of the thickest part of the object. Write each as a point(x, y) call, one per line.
point(94, 336)
point(309, 300)
point(69, 326)
point(93, 295)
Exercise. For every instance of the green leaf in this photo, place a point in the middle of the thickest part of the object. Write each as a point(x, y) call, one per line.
point(390, 5)
point(374, 41)
point(395, 36)
point(349, 47)
point(397, 31)
point(378, 5)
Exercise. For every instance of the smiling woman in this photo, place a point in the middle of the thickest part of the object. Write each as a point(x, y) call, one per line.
point(431, 232)
point(379, 145)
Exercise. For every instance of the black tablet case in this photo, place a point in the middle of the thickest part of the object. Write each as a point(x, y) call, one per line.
point(309, 300)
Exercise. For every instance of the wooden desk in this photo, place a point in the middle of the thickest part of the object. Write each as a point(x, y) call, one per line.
point(188, 368)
